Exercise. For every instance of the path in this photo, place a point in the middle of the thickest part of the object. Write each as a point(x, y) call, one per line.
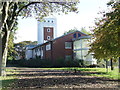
point(30, 78)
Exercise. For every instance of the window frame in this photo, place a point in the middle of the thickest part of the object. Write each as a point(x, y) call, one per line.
point(74, 35)
point(48, 38)
point(79, 35)
point(67, 46)
point(48, 47)
point(48, 30)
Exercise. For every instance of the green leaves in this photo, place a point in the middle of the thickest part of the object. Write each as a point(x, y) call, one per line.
point(106, 34)
point(43, 9)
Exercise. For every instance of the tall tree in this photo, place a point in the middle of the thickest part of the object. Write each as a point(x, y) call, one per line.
point(20, 47)
point(11, 10)
point(106, 44)
point(11, 50)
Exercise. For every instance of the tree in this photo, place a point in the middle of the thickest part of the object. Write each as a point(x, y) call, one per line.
point(84, 31)
point(11, 10)
point(11, 50)
point(106, 44)
point(75, 29)
point(20, 47)
point(70, 31)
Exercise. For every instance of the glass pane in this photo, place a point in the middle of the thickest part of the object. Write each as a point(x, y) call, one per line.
point(68, 45)
point(77, 44)
point(79, 34)
point(74, 35)
point(78, 55)
point(85, 43)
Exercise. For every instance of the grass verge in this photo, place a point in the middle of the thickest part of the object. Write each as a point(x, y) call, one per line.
point(100, 72)
point(7, 81)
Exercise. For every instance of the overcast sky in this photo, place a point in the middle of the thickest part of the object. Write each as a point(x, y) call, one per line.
point(88, 11)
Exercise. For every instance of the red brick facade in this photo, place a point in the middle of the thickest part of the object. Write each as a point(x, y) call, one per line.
point(48, 31)
point(58, 50)
point(55, 49)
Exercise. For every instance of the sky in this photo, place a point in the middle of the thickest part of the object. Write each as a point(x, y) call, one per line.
point(88, 11)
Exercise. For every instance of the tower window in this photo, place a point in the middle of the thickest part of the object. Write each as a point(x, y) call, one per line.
point(52, 21)
point(48, 29)
point(48, 37)
point(48, 21)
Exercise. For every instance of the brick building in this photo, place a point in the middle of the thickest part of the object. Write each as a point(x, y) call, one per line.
point(58, 48)
point(69, 46)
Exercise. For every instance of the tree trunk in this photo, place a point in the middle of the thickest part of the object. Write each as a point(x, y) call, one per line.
point(119, 65)
point(111, 64)
point(4, 50)
point(0, 40)
point(0, 55)
point(106, 65)
point(5, 32)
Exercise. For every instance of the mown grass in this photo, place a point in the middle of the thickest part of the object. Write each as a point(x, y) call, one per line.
point(6, 81)
point(100, 72)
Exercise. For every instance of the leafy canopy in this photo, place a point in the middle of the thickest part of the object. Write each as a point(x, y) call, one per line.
point(106, 36)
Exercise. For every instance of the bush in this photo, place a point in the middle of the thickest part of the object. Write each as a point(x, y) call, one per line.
point(66, 63)
point(71, 63)
point(32, 63)
point(45, 63)
point(93, 66)
point(59, 63)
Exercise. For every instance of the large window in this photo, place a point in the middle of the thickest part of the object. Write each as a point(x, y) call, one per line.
point(81, 44)
point(83, 54)
point(68, 45)
point(81, 49)
point(85, 43)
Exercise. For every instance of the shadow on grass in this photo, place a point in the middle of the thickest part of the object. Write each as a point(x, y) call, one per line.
point(61, 73)
point(8, 83)
point(48, 72)
point(59, 81)
point(38, 78)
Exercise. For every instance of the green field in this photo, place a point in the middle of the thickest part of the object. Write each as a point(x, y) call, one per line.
point(6, 81)
point(101, 72)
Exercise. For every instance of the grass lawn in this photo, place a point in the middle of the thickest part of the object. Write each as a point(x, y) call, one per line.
point(101, 72)
point(6, 81)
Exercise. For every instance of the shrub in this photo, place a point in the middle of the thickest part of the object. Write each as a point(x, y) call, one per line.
point(32, 63)
point(66, 63)
point(93, 66)
point(71, 63)
point(45, 63)
point(60, 62)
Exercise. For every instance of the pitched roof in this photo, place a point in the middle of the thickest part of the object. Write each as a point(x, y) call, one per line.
point(58, 38)
point(83, 37)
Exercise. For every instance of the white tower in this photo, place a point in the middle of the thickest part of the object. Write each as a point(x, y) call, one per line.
point(47, 30)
